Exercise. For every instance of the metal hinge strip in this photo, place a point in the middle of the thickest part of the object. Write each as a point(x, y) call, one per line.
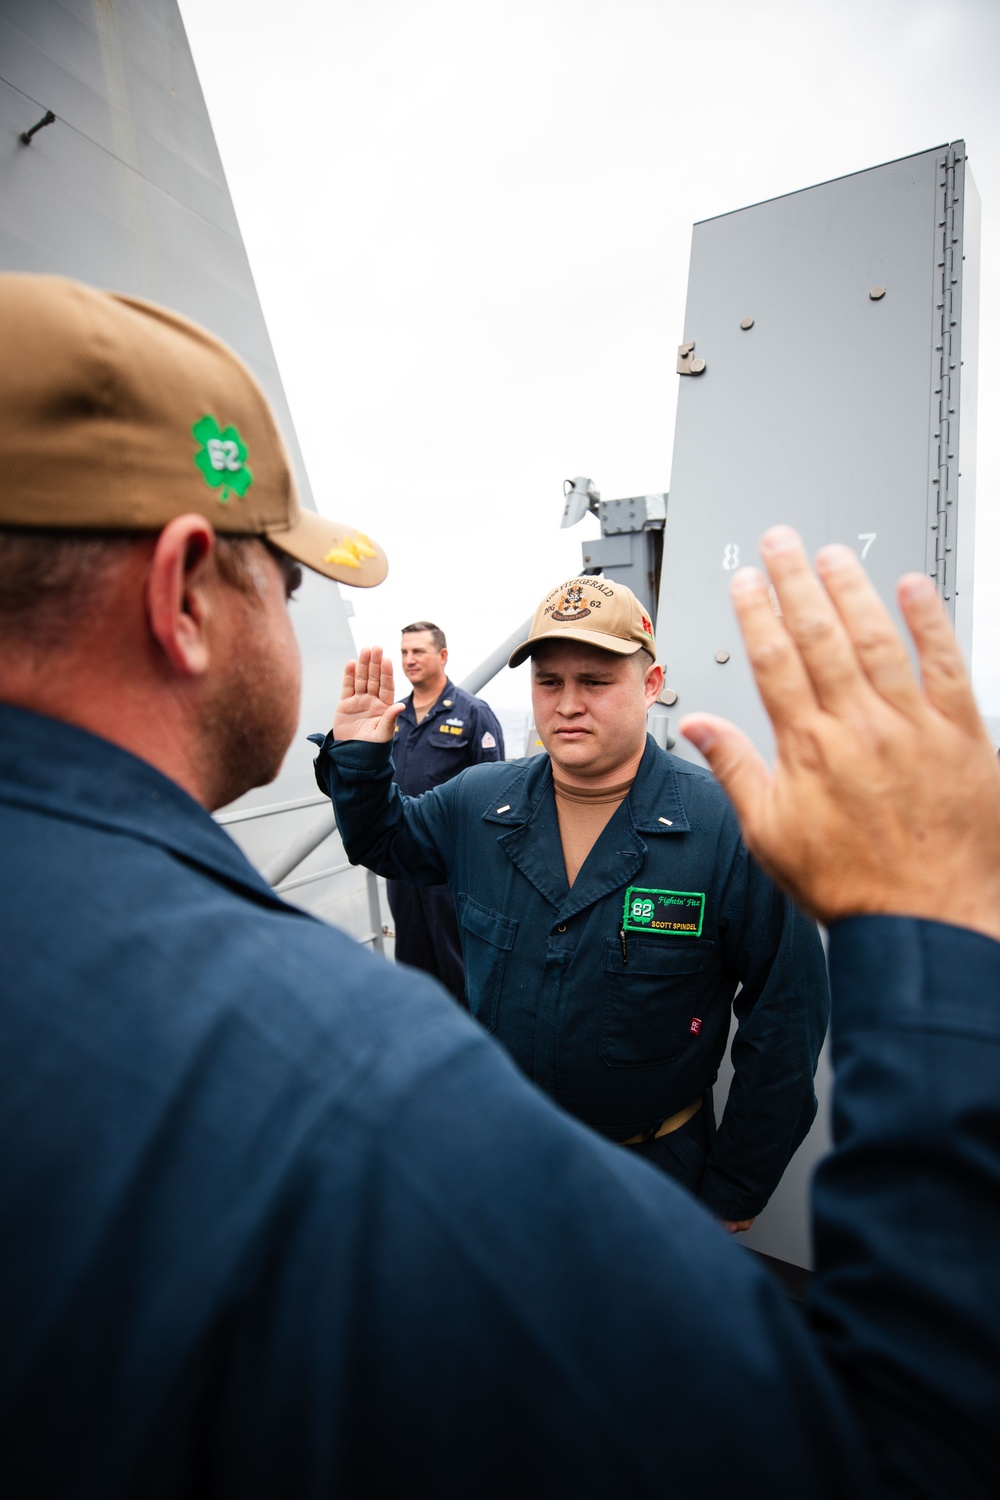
point(946, 370)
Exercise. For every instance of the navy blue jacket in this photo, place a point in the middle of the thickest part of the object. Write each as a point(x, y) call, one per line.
point(459, 731)
point(616, 996)
point(278, 1220)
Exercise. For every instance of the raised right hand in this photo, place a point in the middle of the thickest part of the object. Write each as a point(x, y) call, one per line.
point(366, 710)
point(885, 794)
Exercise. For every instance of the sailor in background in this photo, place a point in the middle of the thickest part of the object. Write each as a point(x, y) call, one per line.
point(441, 731)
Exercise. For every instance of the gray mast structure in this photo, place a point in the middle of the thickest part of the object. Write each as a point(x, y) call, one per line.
point(109, 173)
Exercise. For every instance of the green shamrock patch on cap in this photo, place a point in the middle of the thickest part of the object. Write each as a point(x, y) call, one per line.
point(222, 458)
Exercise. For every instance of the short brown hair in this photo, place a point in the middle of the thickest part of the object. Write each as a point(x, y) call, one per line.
point(434, 631)
point(50, 581)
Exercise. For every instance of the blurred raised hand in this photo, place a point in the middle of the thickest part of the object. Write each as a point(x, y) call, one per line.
point(885, 792)
point(366, 710)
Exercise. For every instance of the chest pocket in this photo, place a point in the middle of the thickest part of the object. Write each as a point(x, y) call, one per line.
point(649, 1002)
point(487, 938)
point(443, 755)
point(444, 739)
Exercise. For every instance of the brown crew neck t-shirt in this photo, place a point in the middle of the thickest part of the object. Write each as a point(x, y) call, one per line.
point(583, 816)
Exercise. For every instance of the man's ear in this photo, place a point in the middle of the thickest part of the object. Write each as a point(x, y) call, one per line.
point(653, 684)
point(444, 656)
point(177, 598)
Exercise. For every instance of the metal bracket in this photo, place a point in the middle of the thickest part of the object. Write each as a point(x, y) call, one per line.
point(580, 497)
point(637, 513)
point(685, 364)
point(47, 119)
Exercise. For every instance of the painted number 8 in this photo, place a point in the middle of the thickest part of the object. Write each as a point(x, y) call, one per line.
point(730, 557)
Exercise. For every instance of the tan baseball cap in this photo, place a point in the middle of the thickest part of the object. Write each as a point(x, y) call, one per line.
point(592, 610)
point(117, 415)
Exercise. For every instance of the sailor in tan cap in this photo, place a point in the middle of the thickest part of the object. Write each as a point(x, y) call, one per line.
point(608, 908)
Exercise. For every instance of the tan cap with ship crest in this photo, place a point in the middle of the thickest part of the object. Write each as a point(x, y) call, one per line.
point(117, 415)
point(595, 611)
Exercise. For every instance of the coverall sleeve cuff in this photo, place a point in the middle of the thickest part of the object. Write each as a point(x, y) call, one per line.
point(897, 972)
point(357, 760)
point(723, 1205)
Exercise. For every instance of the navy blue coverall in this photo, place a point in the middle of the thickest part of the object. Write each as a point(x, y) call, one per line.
point(616, 995)
point(278, 1219)
point(459, 731)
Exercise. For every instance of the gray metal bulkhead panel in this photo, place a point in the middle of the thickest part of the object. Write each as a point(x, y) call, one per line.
point(833, 324)
point(126, 190)
point(824, 412)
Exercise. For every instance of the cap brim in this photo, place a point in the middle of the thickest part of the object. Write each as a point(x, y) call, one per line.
point(336, 551)
point(585, 637)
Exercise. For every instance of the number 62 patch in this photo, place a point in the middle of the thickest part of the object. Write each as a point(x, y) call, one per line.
point(672, 913)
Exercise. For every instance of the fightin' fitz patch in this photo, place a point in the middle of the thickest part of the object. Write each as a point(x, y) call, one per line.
point(670, 913)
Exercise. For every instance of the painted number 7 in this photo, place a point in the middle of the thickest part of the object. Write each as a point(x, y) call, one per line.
point(867, 537)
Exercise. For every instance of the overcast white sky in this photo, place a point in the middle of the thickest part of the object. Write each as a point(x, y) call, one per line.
point(469, 225)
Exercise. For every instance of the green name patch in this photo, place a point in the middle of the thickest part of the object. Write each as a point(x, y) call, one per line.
point(675, 913)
